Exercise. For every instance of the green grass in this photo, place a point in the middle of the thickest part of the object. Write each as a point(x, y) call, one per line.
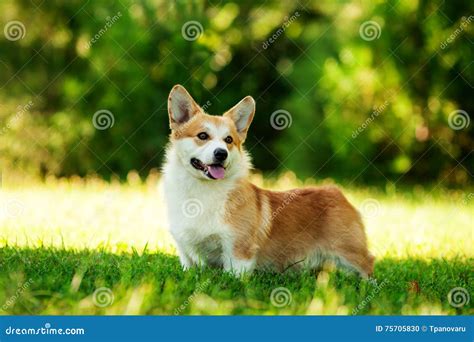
point(67, 239)
point(155, 284)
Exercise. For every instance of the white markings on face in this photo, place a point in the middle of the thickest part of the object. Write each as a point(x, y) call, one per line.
point(187, 148)
point(217, 135)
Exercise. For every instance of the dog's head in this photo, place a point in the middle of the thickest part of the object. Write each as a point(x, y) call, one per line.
point(209, 147)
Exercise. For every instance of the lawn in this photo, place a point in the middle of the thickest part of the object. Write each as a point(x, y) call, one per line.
point(85, 246)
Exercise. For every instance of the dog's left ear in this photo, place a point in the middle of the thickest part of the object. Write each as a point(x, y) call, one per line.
point(181, 106)
point(242, 115)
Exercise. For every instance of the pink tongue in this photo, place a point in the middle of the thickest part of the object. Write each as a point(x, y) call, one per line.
point(217, 171)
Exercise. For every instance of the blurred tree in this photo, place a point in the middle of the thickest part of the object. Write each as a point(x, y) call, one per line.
point(365, 91)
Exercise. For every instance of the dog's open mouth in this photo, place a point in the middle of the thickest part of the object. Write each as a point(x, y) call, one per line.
point(213, 171)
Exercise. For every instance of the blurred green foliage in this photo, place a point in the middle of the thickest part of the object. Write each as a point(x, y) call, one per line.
point(366, 104)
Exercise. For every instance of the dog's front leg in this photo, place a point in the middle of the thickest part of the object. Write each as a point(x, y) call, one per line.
point(237, 263)
point(184, 258)
point(185, 247)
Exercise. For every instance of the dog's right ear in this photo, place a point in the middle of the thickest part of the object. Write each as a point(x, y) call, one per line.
point(181, 106)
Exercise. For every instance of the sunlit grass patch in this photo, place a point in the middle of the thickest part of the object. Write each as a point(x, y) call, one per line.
point(91, 214)
point(66, 239)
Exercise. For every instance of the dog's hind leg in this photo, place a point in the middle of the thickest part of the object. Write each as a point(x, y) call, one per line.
point(356, 255)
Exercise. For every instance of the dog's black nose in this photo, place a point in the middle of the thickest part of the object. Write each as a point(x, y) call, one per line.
point(220, 154)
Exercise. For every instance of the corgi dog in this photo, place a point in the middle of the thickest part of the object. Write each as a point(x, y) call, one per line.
point(218, 218)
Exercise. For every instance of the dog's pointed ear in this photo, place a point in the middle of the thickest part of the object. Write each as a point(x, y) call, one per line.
point(242, 115)
point(181, 106)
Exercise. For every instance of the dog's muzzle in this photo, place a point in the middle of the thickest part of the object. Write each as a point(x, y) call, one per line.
point(213, 171)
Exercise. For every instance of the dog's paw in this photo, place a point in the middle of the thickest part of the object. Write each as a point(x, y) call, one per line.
point(186, 265)
point(373, 281)
point(241, 273)
point(240, 268)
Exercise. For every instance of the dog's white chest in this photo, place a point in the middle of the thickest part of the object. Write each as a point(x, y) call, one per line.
point(196, 213)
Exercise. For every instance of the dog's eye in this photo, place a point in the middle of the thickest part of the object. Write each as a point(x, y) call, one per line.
point(229, 140)
point(203, 136)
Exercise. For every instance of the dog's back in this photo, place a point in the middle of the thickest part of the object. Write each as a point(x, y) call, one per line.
point(300, 226)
